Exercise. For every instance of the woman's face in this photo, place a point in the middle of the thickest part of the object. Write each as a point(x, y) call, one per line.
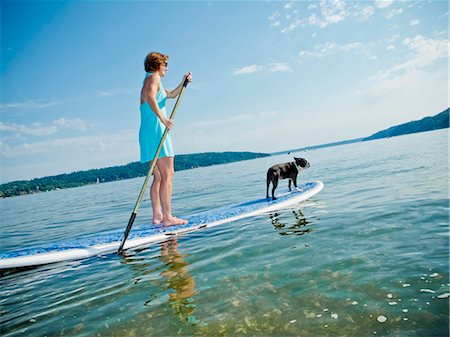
point(163, 69)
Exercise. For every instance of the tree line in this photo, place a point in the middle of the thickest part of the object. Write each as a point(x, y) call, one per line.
point(131, 170)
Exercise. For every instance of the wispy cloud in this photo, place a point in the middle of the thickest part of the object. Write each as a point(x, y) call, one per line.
point(73, 124)
point(39, 129)
point(271, 67)
point(292, 26)
point(383, 3)
point(35, 129)
point(278, 67)
point(394, 12)
point(414, 22)
point(365, 13)
point(28, 104)
point(96, 144)
point(328, 48)
point(67, 154)
point(424, 53)
point(325, 13)
point(332, 12)
point(251, 69)
point(274, 19)
point(117, 91)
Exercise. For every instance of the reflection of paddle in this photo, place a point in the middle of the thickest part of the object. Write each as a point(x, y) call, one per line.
point(150, 172)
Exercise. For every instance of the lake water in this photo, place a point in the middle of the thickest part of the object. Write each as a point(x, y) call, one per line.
point(368, 256)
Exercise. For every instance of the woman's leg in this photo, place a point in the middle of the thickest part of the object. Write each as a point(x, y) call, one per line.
point(166, 169)
point(154, 197)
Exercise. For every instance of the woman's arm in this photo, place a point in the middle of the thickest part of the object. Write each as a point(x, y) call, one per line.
point(153, 85)
point(175, 92)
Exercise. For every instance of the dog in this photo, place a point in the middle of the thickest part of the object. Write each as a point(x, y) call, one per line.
point(285, 171)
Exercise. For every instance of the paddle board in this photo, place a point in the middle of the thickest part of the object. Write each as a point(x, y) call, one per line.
point(106, 243)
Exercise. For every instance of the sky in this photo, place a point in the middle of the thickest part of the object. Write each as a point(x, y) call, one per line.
point(267, 75)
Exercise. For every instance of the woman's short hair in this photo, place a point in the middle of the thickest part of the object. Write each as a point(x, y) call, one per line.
point(154, 60)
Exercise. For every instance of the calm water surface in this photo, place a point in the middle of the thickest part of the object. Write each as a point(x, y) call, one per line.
point(368, 256)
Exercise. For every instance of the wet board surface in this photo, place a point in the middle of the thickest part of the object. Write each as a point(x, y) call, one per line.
point(106, 243)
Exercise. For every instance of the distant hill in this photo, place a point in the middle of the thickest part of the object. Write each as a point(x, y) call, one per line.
point(315, 147)
point(131, 170)
point(439, 121)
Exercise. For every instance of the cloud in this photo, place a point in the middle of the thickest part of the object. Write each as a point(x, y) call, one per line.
point(271, 67)
point(424, 53)
point(98, 143)
point(383, 3)
point(29, 104)
point(288, 5)
point(73, 124)
point(291, 26)
point(278, 67)
point(117, 91)
point(414, 22)
point(329, 48)
point(251, 69)
point(366, 13)
point(326, 13)
point(330, 12)
point(67, 154)
point(333, 11)
point(38, 129)
point(394, 12)
point(274, 18)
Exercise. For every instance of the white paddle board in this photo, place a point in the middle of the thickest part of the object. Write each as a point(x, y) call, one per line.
point(106, 243)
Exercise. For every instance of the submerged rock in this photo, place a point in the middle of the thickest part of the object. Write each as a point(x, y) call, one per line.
point(446, 295)
point(381, 319)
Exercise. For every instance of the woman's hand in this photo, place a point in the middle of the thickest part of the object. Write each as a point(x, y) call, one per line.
point(187, 76)
point(168, 123)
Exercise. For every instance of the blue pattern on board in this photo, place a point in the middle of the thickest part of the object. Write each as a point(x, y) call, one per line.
point(194, 220)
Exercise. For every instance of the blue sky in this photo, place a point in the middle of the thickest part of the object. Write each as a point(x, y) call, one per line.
point(268, 76)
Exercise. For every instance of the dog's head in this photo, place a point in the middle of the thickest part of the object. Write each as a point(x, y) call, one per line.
point(301, 163)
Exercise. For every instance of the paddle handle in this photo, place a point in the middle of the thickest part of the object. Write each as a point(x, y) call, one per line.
point(150, 171)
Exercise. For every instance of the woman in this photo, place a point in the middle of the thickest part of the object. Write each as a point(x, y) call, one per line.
point(153, 123)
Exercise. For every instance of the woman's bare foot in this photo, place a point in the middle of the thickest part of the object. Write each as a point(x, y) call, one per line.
point(157, 219)
point(174, 221)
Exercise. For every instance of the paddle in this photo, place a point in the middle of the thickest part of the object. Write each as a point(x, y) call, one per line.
point(150, 171)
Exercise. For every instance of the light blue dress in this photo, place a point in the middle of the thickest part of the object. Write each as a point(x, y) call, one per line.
point(151, 130)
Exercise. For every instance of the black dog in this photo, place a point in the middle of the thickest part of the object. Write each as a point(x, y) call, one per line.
point(285, 171)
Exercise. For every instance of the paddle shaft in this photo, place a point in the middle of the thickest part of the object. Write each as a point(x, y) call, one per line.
point(150, 171)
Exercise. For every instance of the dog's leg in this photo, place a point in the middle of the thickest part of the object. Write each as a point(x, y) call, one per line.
point(295, 184)
point(267, 189)
point(274, 186)
point(289, 185)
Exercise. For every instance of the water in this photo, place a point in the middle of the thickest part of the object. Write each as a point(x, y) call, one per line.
point(373, 244)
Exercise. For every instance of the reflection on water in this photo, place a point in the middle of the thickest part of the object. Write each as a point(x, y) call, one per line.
point(376, 262)
point(288, 226)
point(179, 280)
